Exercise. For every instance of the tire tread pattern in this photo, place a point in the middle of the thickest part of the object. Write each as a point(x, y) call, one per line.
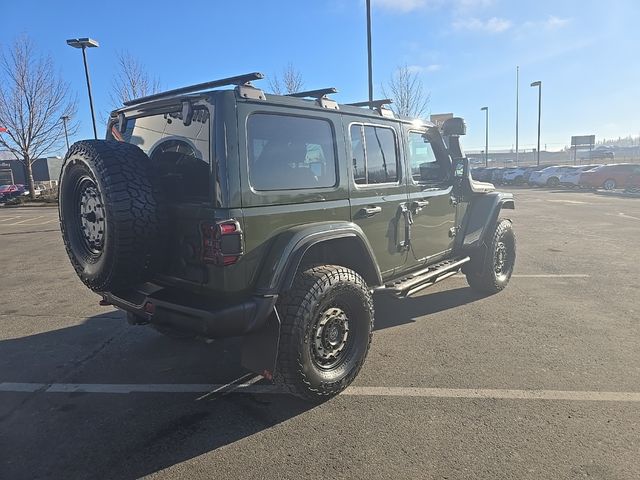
point(297, 304)
point(135, 213)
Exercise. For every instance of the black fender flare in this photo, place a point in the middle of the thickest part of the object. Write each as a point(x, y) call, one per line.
point(289, 248)
point(481, 215)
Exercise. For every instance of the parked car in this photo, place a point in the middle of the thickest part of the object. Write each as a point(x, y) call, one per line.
point(497, 175)
point(37, 190)
point(601, 152)
point(609, 177)
point(571, 178)
point(11, 191)
point(254, 250)
point(531, 171)
point(548, 177)
point(517, 175)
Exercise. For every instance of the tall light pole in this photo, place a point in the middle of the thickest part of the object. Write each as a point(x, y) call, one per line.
point(539, 85)
point(517, 108)
point(486, 132)
point(65, 119)
point(85, 43)
point(369, 59)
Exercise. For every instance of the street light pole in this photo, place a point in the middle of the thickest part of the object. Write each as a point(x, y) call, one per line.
point(64, 119)
point(539, 85)
point(517, 108)
point(486, 132)
point(369, 58)
point(84, 43)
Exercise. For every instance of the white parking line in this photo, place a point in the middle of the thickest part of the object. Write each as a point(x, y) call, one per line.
point(6, 219)
point(23, 221)
point(623, 215)
point(249, 387)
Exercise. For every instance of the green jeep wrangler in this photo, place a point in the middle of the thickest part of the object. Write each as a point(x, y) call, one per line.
point(217, 212)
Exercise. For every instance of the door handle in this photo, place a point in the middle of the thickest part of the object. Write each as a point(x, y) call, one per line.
point(418, 205)
point(369, 211)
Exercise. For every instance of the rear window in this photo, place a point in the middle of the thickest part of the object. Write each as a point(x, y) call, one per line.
point(181, 152)
point(289, 153)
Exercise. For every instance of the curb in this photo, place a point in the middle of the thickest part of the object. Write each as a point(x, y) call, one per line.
point(31, 205)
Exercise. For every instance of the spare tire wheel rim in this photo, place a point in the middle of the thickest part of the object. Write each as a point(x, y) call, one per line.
point(330, 338)
point(90, 210)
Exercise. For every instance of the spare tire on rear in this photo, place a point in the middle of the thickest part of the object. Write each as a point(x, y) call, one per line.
point(112, 217)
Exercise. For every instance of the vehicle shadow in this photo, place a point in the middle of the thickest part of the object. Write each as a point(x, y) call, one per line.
point(130, 435)
point(392, 311)
point(106, 435)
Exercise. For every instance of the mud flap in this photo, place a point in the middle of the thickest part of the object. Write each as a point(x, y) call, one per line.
point(260, 348)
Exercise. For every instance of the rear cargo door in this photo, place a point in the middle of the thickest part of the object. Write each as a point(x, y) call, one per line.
point(182, 156)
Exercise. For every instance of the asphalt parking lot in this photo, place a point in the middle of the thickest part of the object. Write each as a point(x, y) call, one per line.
point(539, 381)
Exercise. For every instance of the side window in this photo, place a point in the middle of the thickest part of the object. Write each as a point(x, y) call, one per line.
point(287, 152)
point(375, 158)
point(421, 156)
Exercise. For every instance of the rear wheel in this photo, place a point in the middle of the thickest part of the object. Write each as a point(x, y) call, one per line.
point(326, 328)
point(553, 182)
point(490, 268)
point(609, 184)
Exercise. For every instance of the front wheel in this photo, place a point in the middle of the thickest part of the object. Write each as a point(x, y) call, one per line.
point(490, 268)
point(326, 328)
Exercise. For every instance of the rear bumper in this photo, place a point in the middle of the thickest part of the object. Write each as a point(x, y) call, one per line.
point(194, 313)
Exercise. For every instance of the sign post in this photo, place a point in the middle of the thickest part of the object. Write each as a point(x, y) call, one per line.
point(582, 141)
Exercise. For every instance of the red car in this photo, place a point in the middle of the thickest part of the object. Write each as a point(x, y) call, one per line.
point(609, 177)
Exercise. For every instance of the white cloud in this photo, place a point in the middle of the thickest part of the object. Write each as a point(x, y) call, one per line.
point(553, 22)
point(406, 6)
point(492, 25)
point(473, 4)
point(434, 67)
point(402, 6)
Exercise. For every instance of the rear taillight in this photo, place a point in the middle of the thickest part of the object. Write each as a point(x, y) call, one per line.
point(221, 242)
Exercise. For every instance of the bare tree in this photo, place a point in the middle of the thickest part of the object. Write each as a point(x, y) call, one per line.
point(407, 92)
point(33, 98)
point(131, 81)
point(291, 81)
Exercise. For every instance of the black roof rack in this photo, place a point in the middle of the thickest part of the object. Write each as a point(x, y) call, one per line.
point(372, 103)
point(237, 80)
point(319, 93)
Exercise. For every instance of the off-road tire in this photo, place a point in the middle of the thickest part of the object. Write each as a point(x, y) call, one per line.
point(317, 290)
point(125, 191)
point(481, 270)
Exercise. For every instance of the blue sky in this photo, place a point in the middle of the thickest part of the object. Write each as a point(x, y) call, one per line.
point(465, 51)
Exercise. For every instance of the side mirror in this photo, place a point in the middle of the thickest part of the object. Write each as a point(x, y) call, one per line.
point(187, 113)
point(460, 168)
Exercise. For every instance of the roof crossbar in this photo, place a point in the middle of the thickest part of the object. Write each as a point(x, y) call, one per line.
point(237, 80)
point(372, 103)
point(319, 93)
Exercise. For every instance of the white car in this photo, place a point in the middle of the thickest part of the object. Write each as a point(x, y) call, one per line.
point(549, 177)
point(515, 175)
point(37, 190)
point(572, 178)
